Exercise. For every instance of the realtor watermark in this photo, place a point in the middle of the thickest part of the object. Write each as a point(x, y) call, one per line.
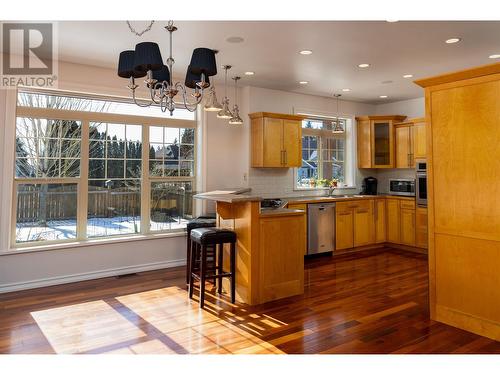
point(29, 55)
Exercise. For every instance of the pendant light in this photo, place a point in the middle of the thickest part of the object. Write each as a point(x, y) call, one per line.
point(337, 128)
point(225, 112)
point(212, 104)
point(236, 119)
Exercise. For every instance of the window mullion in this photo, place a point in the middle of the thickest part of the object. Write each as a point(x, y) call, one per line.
point(145, 182)
point(83, 184)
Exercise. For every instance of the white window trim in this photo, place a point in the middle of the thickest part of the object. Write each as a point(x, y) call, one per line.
point(7, 216)
point(350, 157)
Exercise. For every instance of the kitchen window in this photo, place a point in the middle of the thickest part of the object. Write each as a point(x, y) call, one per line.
point(326, 155)
point(89, 168)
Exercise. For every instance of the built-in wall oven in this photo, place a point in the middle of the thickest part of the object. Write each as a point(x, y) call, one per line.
point(421, 181)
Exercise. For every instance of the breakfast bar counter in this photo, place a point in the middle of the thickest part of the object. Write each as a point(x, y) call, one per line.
point(270, 247)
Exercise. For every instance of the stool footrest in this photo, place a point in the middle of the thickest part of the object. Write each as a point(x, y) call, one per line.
point(213, 276)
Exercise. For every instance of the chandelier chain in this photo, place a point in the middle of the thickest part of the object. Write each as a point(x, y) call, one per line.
point(141, 33)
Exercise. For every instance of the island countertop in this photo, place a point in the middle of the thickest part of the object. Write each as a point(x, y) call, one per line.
point(227, 198)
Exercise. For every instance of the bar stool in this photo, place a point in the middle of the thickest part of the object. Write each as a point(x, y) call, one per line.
point(217, 237)
point(199, 222)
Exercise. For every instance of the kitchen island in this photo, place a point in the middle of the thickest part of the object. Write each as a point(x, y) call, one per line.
point(269, 250)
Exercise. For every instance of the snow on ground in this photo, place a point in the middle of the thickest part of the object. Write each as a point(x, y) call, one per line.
point(96, 227)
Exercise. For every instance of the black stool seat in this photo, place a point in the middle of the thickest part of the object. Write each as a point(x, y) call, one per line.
point(200, 222)
point(212, 236)
point(201, 240)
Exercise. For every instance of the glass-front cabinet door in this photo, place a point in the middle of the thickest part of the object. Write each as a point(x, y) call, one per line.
point(383, 145)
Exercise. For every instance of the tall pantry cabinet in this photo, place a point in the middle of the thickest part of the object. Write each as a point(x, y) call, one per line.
point(463, 126)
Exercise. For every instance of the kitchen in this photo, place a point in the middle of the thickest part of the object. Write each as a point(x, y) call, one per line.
point(333, 224)
point(304, 195)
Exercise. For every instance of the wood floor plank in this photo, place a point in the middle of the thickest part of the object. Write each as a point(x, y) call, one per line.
point(373, 302)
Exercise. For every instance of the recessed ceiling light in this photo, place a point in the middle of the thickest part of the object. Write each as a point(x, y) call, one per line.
point(249, 73)
point(364, 65)
point(383, 96)
point(408, 76)
point(392, 21)
point(306, 52)
point(346, 90)
point(235, 39)
point(452, 40)
point(303, 82)
point(496, 56)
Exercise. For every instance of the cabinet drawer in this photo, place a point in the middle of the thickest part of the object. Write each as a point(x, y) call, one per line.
point(344, 207)
point(362, 205)
point(409, 205)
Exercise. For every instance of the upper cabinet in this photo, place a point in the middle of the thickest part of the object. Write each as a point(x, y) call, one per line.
point(410, 142)
point(276, 140)
point(375, 135)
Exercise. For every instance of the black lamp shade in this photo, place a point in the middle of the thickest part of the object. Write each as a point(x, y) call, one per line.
point(192, 78)
point(126, 65)
point(203, 61)
point(147, 57)
point(162, 75)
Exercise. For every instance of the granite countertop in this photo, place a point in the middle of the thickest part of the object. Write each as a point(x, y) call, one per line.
point(340, 198)
point(227, 198)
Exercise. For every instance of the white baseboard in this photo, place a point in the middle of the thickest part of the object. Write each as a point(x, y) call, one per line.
point(12, 287)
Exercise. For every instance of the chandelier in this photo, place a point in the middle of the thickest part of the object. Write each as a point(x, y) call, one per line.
point(146, 61)
point(337, 128)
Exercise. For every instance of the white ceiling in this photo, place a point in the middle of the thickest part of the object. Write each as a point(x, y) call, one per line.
point(270, 48)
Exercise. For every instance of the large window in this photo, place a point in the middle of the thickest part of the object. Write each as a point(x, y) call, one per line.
point(326, 154)
point(93, 168)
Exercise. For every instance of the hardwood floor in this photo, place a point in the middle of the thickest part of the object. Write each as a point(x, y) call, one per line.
point(375, 303)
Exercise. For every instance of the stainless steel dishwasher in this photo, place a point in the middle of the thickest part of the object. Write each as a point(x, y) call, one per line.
point(320, 228)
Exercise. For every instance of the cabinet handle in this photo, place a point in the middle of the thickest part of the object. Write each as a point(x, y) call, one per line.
point(281, 157)
point(343, 213)
point(286, 157)
point(361, 211)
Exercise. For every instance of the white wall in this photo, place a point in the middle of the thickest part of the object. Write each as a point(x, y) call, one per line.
point(411, 108)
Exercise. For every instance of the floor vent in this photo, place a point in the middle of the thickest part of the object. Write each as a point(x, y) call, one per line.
point(126, 275)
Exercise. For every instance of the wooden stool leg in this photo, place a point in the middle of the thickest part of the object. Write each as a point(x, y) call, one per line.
point(220, 250)
point(233, 271)
point(191, 268)
point(203, 270)
point(188, 258)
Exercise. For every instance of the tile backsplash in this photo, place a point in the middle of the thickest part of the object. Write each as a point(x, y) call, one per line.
point(278, 182)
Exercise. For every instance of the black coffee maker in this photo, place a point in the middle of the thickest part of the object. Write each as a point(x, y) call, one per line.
point(369, 186)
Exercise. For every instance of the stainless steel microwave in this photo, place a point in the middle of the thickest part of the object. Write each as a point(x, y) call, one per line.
point(402, 186)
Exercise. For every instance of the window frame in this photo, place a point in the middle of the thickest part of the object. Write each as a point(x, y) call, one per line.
point(82, 182)
point(349, 149)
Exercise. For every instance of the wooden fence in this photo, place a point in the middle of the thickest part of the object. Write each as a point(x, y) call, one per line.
point(102, 203)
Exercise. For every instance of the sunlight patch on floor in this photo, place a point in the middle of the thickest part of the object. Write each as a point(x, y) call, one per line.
point(84, 327)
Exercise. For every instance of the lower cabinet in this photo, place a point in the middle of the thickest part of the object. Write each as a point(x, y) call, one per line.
point(393, 220)
point(380, 221)
point(344, 227)
point(354, 224)
point(301, 206)
point(401, 221)
point(421, 236)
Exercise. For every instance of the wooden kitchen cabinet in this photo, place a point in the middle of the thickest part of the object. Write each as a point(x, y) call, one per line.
point(364, 225)
point(419, 139)
point(276, 140)
point(354, 224)
point(301, 206)
point(407, 226)
point(344, 226)
point(410, 142)
point(393, 220)
point(380, 220)
point(375, 141)
point(403, 134)
point(421, 227)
